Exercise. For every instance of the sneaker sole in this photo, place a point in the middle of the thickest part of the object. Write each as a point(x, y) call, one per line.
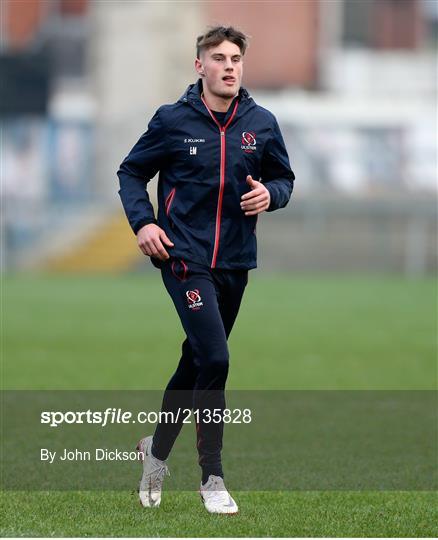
point(220, 513)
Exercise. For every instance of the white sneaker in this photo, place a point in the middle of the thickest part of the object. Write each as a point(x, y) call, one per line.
point(216, 498)
point(152, 478)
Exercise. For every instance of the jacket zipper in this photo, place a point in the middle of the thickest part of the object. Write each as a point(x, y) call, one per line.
point(222, 131)
point(168, 201)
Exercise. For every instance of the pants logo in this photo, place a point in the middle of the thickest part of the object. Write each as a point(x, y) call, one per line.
point(194, 299)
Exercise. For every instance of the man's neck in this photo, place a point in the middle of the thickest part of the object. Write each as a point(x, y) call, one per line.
point(217, 103)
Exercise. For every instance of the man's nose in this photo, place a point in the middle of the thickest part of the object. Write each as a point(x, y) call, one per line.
point(228, 63)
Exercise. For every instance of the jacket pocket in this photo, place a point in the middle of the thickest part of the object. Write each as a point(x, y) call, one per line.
point(179, 269)
point(169, 200)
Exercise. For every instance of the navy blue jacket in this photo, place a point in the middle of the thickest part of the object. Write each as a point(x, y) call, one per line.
point(203, 167)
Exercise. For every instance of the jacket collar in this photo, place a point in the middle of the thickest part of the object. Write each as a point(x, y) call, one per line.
point(193, 96)
point(194, 91)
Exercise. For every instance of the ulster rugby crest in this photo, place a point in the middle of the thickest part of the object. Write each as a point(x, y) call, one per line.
point(194, 299)
point(249, 143)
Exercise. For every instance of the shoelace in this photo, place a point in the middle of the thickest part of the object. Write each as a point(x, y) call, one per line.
point(157, 476)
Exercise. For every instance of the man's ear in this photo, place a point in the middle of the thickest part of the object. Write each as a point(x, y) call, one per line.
point(199, 68)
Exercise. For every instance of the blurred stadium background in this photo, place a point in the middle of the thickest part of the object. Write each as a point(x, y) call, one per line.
point(352, 82)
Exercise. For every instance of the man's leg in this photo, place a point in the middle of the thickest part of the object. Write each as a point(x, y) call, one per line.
point(230, 286)
point(178, 395)
point(204, 362)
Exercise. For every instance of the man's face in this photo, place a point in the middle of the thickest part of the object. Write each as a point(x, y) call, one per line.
point(221, 69)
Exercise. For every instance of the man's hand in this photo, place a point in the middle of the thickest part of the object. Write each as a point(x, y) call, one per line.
point(257, 200)
point(150, 240)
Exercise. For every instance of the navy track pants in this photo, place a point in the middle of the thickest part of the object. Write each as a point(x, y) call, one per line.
point(207, 301)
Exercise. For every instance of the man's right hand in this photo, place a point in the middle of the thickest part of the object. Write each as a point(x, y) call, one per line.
point(150, 240)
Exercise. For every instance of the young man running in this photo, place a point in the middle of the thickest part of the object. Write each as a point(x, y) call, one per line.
point(221, 161)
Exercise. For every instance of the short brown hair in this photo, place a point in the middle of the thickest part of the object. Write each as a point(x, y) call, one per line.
point(217, 34)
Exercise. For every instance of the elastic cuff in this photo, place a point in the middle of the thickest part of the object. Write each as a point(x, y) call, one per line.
point(215, 470)
point(142, 223)
point(271, 206)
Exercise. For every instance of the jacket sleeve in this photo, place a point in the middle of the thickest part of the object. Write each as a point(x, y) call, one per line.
point(276, 171)
point(140, 166)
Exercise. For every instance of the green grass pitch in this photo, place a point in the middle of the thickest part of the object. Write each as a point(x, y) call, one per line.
point(293, 332)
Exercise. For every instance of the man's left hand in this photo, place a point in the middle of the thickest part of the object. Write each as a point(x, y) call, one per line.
point(257, 200)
